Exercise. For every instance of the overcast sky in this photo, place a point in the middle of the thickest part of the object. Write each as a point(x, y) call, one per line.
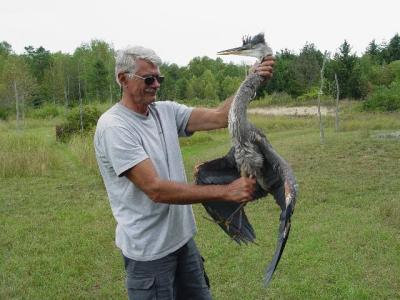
point(180, 30)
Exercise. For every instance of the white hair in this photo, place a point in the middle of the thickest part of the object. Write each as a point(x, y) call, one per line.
point(125, 61)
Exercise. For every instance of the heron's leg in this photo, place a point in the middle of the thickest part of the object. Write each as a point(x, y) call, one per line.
point(243, 173)
point(229, 219)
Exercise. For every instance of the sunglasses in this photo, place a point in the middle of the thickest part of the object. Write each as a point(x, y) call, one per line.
point(149, 80)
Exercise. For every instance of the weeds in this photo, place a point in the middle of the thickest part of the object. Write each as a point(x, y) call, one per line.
point(24, 154)
point(57, 230)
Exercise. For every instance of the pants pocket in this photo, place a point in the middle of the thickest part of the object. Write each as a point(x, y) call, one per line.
point(141, 288)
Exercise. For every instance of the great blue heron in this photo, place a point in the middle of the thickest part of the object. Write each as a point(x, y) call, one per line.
point(251, 155)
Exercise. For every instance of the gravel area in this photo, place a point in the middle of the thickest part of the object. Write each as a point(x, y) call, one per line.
point(292, 111)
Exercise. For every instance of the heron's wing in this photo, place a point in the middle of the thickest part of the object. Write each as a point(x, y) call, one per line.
point(230, 216)
point(284, 191)
point(279, 181)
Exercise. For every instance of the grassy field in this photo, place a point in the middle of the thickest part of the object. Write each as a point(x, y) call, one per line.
point(57, 231)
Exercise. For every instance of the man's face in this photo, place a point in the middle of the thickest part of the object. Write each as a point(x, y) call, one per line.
point(139, 91)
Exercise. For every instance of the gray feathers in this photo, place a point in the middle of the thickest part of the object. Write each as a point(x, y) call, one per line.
point(251, 155)
point(257, 39)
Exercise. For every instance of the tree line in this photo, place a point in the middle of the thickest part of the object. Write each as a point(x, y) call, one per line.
point(39, 77)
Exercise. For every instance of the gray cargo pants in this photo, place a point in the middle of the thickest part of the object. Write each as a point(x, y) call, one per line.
point(178, 276)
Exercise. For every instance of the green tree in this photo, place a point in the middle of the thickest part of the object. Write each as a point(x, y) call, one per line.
point(5, 51)
point(284, 79)
point(307, 68)
point(39, 60)
point(180, 88)
point(229, 86)
point(99, 79)
point(374, 51)
point(5, 48)
point(346, 66)
point(172, 73)
point(18, 84)
point(210, 85)
point(394, 68)
point(190, 92)
point(393, 49)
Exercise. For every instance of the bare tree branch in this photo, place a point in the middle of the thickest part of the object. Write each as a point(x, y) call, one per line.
point(337, 104)
point(320, 93)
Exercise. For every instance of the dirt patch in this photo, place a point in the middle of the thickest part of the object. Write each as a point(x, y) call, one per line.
point(388, 135)
point(292, 111)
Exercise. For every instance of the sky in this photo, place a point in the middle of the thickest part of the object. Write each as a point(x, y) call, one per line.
point(180, 30)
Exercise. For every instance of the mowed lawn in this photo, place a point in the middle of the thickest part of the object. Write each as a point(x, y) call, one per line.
point(57, 230)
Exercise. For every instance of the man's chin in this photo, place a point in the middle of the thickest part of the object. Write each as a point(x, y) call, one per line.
point(151, 98)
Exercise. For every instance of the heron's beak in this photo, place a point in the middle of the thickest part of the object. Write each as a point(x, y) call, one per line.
point(233, 51)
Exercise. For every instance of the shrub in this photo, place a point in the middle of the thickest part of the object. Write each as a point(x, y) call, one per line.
point(282, 98)
point(312, 94)
point(197, 102)
point(384, 98)
point(48, 111)
point(4, 113)
point(72, 125)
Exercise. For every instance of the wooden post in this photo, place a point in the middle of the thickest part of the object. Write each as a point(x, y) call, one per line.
point(16, 104)
point(337, 105)
point(23, 109)
point(320, 93)
point(80, 100)
point(111, 95)
point(65, 94)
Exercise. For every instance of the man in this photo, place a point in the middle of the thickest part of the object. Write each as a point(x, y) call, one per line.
point(137, 149)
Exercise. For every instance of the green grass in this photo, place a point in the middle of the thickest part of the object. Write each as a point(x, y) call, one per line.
point(26, 153)
point(57, 230)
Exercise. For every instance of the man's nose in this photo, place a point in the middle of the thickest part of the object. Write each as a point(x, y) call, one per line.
point(155, 84)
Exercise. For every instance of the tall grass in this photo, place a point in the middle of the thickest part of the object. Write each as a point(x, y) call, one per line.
point(81, 146)
point(25, 154)
point(350, 119)
point(47, 111)
point(370, 121)
point(284, 99)
point(344, 242)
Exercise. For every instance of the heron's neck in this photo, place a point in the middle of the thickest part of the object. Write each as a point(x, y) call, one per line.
point(237, 120)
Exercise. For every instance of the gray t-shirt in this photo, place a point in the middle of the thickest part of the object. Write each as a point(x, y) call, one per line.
point(145, 230)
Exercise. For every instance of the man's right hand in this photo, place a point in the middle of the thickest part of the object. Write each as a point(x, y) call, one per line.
point(241, 190)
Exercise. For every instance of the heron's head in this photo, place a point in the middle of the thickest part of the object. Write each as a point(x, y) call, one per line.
point(252, 46)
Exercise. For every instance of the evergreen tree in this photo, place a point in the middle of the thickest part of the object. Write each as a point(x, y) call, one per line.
point(393, 49)
point(344, 66)
point(39, 60)
point(99, 80)
point(5, 48)
point(374, 51)
point(307, 68)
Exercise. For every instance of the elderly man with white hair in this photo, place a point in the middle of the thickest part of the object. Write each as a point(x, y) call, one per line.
point(138, 153)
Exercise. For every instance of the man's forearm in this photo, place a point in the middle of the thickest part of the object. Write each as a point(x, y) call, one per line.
point(209, 118)
point(224, 108)
point(144, 176)
point(181, 193)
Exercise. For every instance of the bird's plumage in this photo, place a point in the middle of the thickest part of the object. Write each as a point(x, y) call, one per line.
point(251, 46)
point(250, 155)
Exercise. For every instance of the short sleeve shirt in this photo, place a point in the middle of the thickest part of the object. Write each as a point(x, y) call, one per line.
point(145, 230)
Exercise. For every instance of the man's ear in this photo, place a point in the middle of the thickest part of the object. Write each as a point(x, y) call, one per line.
point(122, 79)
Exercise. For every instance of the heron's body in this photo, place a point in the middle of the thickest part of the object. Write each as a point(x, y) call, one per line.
point(251, 155)
point(244, 135)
